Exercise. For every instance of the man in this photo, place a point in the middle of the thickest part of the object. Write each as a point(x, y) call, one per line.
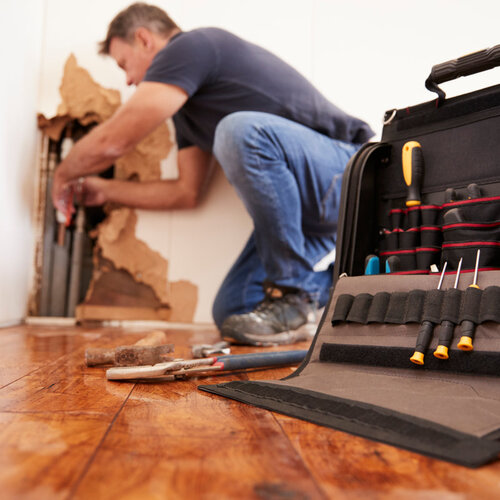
point(281, 144)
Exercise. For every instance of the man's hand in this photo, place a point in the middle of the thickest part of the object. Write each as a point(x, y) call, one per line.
point(91, 191)
point(183, 192)
point(150, 106)
point(62, 195)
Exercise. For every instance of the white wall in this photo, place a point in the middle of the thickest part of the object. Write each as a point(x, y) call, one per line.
point(371, 56)
point(365, 56)
point(20, 39)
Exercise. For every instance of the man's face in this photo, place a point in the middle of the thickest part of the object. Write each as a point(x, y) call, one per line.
point(133, 58)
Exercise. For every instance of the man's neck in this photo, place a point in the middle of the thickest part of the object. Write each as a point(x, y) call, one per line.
point(165, 41)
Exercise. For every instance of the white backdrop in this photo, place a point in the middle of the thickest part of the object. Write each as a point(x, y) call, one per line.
point(20, 39)
point(366, 56)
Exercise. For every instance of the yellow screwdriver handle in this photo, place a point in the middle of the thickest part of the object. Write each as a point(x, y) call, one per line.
point(413, 171)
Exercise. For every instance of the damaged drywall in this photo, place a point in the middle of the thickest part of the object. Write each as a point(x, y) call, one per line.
point(143, 162)
point(183, 299)
point(83, 98)
point(117, 241)
point(117, 249)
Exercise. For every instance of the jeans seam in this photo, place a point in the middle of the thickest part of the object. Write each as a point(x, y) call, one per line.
point(275, 197)
point(329, 191)
point(245, 290)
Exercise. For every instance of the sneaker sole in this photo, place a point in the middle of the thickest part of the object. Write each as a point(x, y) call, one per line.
point(305, 332)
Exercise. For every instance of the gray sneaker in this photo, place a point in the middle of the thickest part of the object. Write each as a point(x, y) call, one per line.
point(285, 316)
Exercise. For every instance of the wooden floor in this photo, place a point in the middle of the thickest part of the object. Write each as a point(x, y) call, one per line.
point(65, 432)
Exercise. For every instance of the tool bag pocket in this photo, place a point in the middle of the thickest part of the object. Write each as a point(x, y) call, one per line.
point(414, 217)
point(474, 210)
point(417, 306)
point(415, 239)
point(376, 320)
point(470, 225)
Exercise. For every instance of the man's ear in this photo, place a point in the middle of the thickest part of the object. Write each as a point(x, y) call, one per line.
point(144, 38)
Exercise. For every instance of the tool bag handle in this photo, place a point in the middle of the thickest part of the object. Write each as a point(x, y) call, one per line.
point(463, 66)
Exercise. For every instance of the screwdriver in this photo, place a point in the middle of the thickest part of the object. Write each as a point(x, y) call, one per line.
point(413, 171)
point(425, 333)
point(447, 327)
point(392, 264)
point(468, 327)
point(372, 264)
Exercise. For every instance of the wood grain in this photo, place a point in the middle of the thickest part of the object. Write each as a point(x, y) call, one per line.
point(43, 454)
point(66, 432)
point(200, 447)
point(349, 467)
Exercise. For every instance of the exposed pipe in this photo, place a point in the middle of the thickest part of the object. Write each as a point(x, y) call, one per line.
point(76, 261)
point(48, 236)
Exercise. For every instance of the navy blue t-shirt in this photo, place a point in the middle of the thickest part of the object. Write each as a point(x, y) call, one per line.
point(223, 74)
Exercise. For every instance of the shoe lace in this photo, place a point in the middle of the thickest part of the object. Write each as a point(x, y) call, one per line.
point(272, 302)
point(267, 304)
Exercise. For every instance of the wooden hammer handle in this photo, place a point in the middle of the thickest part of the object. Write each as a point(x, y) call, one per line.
point(95, 356)
point(156, 337)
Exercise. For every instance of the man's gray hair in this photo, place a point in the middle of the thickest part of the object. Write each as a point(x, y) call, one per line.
point(135, 16)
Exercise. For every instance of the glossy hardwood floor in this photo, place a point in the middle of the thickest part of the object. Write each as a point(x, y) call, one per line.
point(66, 432)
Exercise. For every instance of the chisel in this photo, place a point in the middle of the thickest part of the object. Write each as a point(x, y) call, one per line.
point(425, 332)
point(447, 327)
point(413, 171)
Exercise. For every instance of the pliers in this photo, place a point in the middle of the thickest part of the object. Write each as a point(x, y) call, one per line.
point(182, 368)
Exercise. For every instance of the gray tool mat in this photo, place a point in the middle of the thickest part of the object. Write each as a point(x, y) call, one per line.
point(448, 415)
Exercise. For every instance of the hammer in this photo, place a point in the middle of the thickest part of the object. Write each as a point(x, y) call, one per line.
point(147, 351)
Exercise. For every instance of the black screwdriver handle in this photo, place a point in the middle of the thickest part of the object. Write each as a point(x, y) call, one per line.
point(424, 336)
point(445, 337)
point(468, 329)
point(423, 340)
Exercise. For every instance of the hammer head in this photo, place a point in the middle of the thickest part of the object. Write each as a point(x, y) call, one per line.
point(136, 355)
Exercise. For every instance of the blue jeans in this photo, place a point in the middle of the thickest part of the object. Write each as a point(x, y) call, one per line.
point(289, 179)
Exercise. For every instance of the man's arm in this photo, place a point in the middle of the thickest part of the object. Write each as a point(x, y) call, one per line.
point(151, 105)
point(184, 192)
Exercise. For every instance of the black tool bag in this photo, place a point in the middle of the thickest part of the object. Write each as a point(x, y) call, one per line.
point(359, 376)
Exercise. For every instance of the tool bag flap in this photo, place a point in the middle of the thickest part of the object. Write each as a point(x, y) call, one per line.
point(358, 377)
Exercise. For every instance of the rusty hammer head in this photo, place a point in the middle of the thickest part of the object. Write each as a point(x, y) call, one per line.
point(131, 355)
point(138, 355)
